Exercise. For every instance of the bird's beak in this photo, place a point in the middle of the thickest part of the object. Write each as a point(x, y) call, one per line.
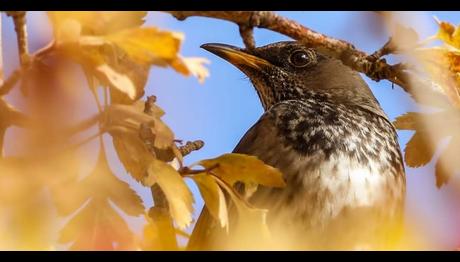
point(237, 56)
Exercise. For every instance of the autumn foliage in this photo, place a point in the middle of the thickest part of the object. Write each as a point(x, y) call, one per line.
point(113, 52)
point(107, 56)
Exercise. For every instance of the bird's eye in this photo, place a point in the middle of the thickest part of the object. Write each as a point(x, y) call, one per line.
point(300, 58)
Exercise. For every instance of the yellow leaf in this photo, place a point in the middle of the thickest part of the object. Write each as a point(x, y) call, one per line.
point(177, 193)
point(449, 34)
point(251, 220)
point(159, 233)
point(132, 154)
point(213, 197)
point(448, 163)
point(130, 118)
point(404, 37)
point(126, 123)
point(118, 80)
point(148, 45)
point(98, 226)
point(248, 169)
point(155, 110)
point(68, 31)
point(192, 66)
point(408, 121)
point(100, 22)
point(419, 150)
point(443, 66)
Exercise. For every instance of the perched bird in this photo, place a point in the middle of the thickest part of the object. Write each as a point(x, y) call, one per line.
point(338, 152)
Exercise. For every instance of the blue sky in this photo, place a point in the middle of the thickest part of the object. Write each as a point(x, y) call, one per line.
point(226, 105)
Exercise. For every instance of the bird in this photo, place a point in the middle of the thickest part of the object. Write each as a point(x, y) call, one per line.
point(323, 128)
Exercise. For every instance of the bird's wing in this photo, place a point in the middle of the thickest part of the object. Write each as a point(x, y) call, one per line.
point(260, 140)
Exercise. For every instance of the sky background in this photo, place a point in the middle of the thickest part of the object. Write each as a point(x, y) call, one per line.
point(222, 109)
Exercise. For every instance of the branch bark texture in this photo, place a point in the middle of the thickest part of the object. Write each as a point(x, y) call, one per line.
point(376, 69)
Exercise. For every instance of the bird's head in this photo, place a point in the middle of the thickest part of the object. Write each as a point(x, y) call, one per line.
point(289, 70)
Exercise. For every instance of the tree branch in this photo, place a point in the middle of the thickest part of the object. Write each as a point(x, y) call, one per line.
point(1, 53)
point(376, 69)
point(9, 83)
point(247, 33)
point(191, 146)
point(145, 133)
point(19, 19)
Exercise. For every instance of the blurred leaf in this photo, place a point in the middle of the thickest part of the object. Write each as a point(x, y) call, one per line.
point(8, 116)
point(213, 197)
point(113, 68)
point(250, 219)
point(443, 66)
point(24, 197)
point(404, 37)
point(69, 196)
point(117, 80)
point(247, 169)
point(121, 53)
point(127, 119)
point(421, 147)
point(430, 129)
point(148, 45)
point(408, 121)
point(97, 23)
point(132, 154)
point(98, 226)
point(179, 197)
point(192, 66)
point(449, 34)
point(448, 163)
point(159, 232)
point(419, 150)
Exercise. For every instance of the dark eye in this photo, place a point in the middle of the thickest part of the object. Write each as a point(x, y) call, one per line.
point(299, 58)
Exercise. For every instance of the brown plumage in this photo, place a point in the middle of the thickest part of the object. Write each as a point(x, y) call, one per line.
point(338, 152)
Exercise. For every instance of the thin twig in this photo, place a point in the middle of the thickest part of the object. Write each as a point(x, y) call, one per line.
point(247, 34)
point(147, 137)
point(388, 48)
point(86, 140)
point(20, 26)
point(187, 171)
point(150, 105)
point(83, 125)
point(10, 83)
point(1, 52)
point(190, 147)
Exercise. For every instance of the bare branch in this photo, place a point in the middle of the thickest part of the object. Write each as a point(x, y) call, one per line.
point(376, 69)
point(149, 105)
point(19, 18)
point(159, 198)
point(147, 136)
point(9, 83)
point(1, 53)
point(247, 34)
point(388, 48)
